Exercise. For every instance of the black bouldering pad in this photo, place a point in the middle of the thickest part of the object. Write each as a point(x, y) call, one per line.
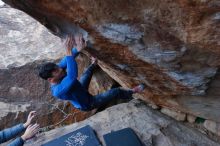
point(82, 137)
point(124, 137)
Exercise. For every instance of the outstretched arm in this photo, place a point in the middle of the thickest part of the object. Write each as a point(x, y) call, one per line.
point(29, 133)
point(17, 142)
point(10, 133)
point(63, 63)
point(71, 69)
point(72, 74)
point(69, 43)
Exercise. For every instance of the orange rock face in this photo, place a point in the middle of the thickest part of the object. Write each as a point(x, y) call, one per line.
point(172, 46)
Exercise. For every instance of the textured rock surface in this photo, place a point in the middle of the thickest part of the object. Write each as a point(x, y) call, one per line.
point(191, 118)
point(170, 45)
point(152, 127)
point(174, 114)
point(24, 44)
point(212, 126)
point(25, 40)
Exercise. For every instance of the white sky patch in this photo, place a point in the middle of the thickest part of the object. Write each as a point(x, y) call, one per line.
point(1, 3)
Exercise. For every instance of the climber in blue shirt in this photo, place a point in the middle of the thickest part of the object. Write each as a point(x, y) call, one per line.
point(66, 86)
point(31, 130)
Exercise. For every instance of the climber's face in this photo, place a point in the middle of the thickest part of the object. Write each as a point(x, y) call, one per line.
point(57, 75)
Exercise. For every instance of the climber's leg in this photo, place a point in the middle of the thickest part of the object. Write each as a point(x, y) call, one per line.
point(87, 76)
point(115, 93)
point(107, 96)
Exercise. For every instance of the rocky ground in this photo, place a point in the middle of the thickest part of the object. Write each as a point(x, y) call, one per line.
point(152, 127)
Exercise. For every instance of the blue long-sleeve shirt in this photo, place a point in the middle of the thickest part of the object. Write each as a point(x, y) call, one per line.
point(10, 133)
point(70, 88)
